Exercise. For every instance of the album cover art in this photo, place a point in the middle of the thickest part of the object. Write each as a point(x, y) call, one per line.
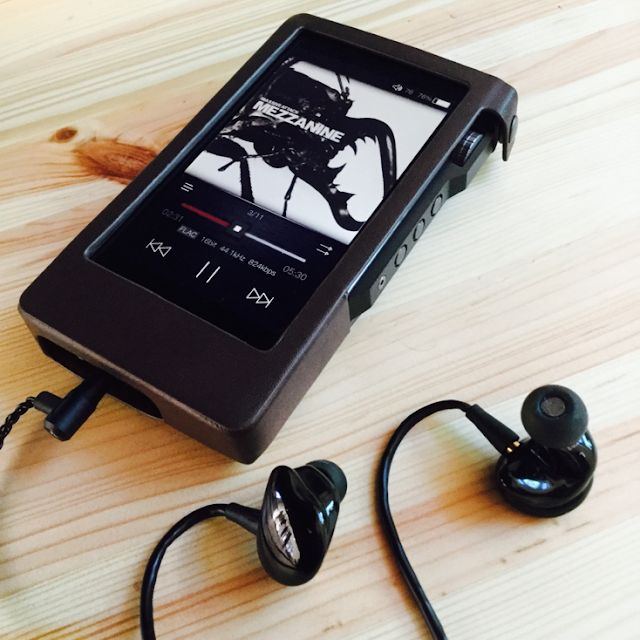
point(317, 147)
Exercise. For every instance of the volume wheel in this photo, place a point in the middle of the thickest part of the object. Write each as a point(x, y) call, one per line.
point(466, 147)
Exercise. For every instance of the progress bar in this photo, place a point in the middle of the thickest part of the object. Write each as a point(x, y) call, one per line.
point(226, 223)
point(274, 246)
point(204, 214)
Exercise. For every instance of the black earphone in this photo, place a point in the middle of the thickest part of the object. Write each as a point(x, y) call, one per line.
point(546, 475)
point(293, 528)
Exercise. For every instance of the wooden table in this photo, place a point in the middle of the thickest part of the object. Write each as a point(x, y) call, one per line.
point(538, 280)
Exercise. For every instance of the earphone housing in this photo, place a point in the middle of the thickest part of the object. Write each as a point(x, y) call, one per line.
point(547, 482)
point(297, 520)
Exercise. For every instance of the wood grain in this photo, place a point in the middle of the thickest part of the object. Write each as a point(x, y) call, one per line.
point(531, 276)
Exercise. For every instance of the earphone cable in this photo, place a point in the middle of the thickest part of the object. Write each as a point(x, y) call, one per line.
point(13, 417)
point(382, 484)
point(147, 628)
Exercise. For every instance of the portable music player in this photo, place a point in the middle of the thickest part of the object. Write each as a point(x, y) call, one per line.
point(212, 291)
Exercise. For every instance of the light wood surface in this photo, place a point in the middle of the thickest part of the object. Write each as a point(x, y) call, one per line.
point(530, 276)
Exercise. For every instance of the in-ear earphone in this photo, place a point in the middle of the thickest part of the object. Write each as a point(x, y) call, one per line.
point(548, 474)
point(551, 473)
point(293, 528)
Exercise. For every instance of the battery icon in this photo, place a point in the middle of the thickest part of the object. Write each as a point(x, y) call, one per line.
point(439, 102)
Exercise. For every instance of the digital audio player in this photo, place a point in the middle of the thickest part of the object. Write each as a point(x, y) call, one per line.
point(217, 285)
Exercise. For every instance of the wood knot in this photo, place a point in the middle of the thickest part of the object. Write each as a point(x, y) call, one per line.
point(64, 134)
point(112, 159)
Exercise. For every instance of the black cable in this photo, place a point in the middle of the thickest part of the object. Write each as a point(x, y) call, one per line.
point(14, 416)
point(388, 525)
point(153, 565)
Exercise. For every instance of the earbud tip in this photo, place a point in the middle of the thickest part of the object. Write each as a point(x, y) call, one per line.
point(334, 473)
point(554, 416)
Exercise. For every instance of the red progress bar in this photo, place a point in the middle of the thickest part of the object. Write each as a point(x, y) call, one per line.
point(204, 214)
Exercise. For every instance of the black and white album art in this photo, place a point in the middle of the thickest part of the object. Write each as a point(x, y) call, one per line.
point(317, 147)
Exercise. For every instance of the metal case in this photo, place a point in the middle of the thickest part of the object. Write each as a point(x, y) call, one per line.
point(204, 382)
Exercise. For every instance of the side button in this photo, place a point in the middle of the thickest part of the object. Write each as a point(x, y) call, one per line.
point(402, 252)
point(419, 228)
point(437, 204)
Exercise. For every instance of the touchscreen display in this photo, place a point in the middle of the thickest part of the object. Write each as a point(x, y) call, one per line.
point(245, 231)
